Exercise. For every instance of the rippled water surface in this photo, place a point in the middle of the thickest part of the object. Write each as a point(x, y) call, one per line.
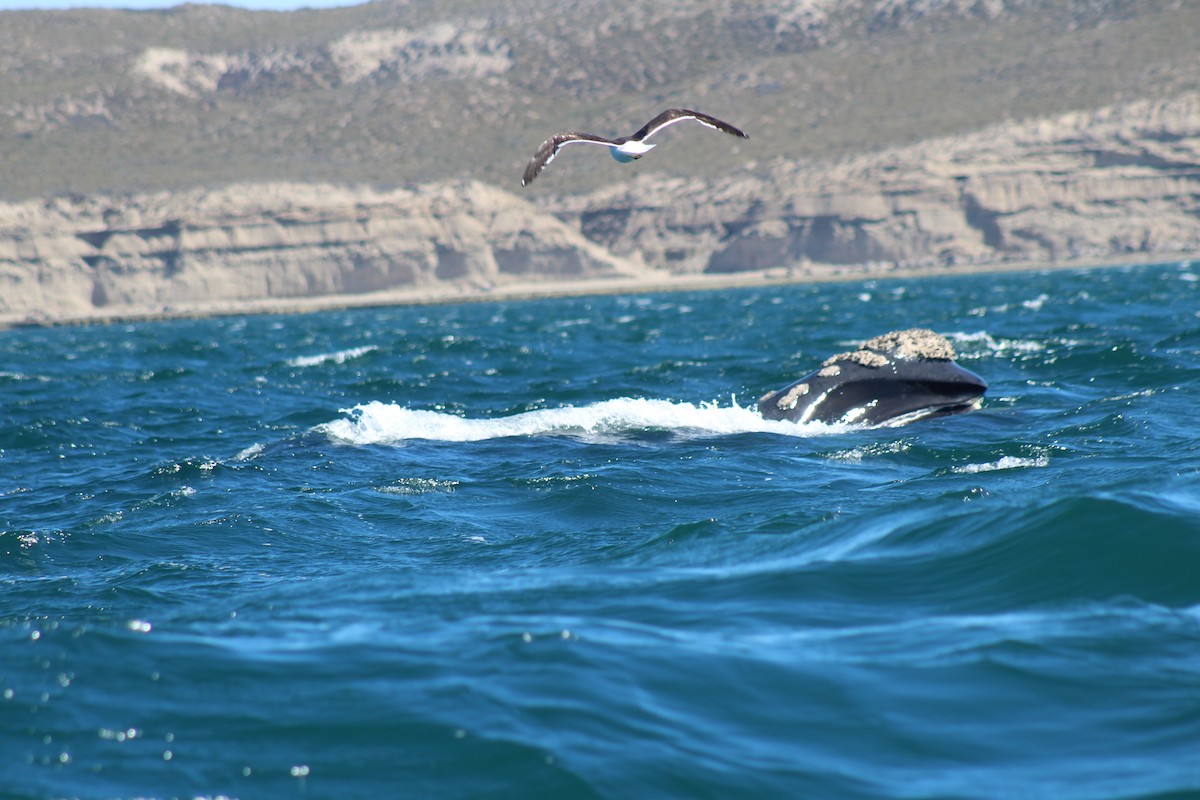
point(549, 549)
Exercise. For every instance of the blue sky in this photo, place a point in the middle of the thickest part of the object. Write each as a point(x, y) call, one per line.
point(273, 5)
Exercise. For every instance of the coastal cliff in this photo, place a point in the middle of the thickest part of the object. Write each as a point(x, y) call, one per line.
point(164, 253)
point(1114, 183)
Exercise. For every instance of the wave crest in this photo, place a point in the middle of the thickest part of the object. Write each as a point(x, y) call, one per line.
point(338, 357)
point(388, 423)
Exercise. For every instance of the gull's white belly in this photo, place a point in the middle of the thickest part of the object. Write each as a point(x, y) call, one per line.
point(631, 150)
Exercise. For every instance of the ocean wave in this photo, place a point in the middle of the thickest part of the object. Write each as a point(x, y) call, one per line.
point(388, 423)
point(1032, 304)
point(250, 453)
point(21, 376)
point(1036, 303)
point(1006, 462)
point(1030, 639)
point(982, 343)
point(337, 357)
point(1078, 547)
point(410, 486)
point(857, 454)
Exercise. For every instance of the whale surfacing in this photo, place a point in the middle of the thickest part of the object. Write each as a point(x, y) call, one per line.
point(892, 379)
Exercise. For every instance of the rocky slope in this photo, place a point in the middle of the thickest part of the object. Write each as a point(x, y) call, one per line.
point(398, 93)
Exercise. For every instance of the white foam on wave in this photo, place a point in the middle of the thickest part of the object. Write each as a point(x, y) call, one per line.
point(984, 341)
point(858, 454)
point(1006, 462)
point(21, 376)
point(339, 357)
point(1036, 303)
point(388, 423)
point(250, 453)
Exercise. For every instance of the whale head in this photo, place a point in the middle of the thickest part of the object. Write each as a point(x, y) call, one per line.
point(892, 379)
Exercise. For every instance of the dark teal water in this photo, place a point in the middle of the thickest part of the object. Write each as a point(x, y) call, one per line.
point(548, 550)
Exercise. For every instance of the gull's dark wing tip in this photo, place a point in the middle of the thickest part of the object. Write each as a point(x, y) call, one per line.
point(673, 115)
point(531, 171)
point(549, 149)
point(543, 156)
point(719, 124)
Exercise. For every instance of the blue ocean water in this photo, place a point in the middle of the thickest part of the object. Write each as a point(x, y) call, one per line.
point(548, 549)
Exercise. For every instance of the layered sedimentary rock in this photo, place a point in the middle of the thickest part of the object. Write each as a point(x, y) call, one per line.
point(151, 253)
point(1119, 181)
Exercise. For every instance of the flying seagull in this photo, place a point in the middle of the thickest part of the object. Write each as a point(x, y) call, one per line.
point(624, 148)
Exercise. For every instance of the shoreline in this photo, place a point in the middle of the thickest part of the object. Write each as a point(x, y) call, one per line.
point(538, 290)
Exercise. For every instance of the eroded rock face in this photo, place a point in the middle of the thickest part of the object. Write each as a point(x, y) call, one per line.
point(68, 256)
point(1119, 182)
point(1123, 180)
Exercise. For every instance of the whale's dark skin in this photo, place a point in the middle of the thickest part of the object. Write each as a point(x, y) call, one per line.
point(893, 378)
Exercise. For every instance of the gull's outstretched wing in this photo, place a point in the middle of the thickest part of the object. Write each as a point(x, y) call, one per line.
point(549, 149)
point(673, 115)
